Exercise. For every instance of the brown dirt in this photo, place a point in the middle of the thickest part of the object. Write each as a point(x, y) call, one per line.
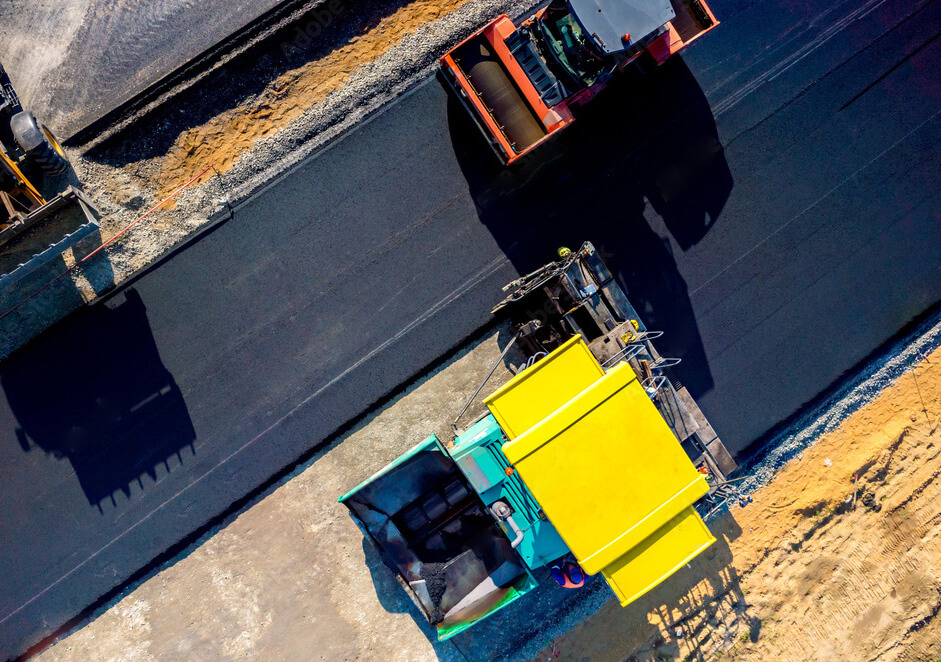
point(800, 574)
point(224, 138)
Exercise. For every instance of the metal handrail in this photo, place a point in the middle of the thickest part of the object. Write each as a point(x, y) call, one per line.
point(625, 354)
point(532, 359)
point(665, 362)
point(645, 335)
point(653, 384)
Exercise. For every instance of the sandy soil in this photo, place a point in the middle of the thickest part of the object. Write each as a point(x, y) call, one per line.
point(804, 572)
point(224, 138)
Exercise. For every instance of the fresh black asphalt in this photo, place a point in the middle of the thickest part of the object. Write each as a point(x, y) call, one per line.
point(770, 201)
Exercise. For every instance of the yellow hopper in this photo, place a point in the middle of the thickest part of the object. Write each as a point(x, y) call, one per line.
point(605, 468)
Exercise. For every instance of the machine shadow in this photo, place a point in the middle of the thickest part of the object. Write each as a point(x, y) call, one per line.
point(646, 147)
point(392, 595)
point(100, 397)
point(684, 614)
point(688, 614)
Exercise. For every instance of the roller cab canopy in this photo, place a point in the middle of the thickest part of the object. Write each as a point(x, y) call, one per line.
point(608, 22)
point(605, 468)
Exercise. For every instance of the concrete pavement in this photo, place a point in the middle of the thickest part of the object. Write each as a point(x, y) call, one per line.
point(73, 63)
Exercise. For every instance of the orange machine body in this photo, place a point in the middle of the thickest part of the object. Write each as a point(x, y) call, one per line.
point(552, 119)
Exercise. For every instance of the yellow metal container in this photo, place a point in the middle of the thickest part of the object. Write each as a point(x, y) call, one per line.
point(671, 547)
point(546, 386)
point(605, 468)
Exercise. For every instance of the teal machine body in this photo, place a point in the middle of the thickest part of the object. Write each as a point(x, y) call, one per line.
point(480, 457)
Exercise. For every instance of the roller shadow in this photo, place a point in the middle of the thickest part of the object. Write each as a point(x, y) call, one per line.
point(95, 392)
point(646, 148)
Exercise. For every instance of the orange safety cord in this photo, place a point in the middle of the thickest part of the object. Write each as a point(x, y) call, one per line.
point(107, 243)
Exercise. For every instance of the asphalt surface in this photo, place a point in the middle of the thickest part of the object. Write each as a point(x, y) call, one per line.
point(770, 201)
point(74, 62)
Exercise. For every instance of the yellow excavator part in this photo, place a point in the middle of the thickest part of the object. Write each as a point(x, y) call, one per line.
point(23, 186)
point(50, 136)
point(605, 468)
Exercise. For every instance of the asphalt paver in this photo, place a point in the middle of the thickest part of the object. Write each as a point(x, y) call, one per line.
point(770, 200)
